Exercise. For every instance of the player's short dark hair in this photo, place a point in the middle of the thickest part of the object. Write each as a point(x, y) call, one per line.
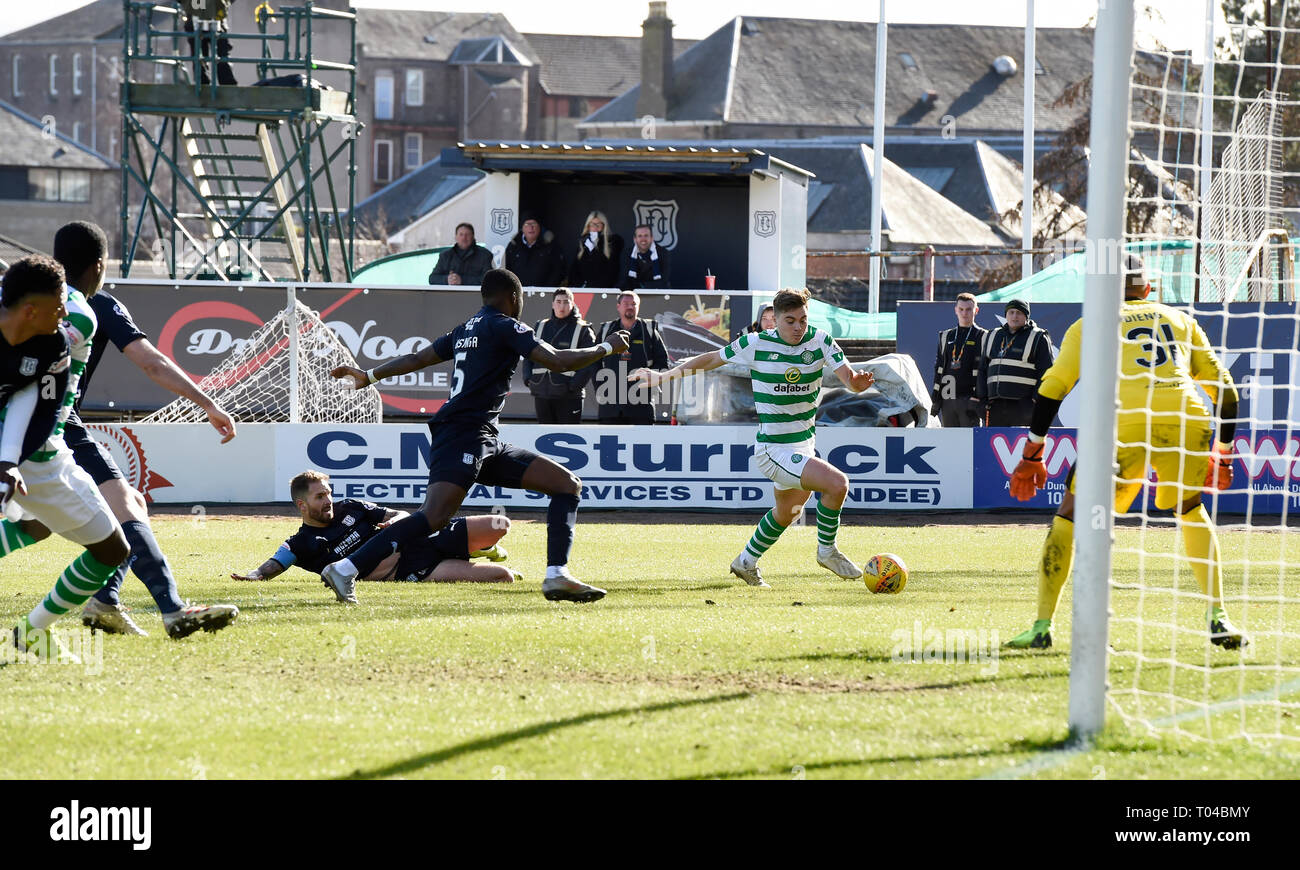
point(301, 484)
point(790, 299)
point(79, 245)
point(36, 274)
point(499, 282)
point(967, 297)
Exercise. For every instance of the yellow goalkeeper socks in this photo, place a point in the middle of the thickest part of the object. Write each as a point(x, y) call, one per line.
point(1054, 569)
point(1202, 546)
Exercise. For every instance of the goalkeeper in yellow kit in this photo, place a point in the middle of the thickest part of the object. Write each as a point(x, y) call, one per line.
point(1162, 422)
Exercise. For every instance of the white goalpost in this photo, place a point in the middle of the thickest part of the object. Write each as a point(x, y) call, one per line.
point(1216, 231)
point(281, 374)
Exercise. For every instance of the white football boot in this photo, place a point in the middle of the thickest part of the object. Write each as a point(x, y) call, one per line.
point(563, 586)
point(110, 618)
point(747, 570)
point(836, 562)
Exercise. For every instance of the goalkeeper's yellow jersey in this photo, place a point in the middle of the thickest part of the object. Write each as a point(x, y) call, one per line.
point(1164, 354)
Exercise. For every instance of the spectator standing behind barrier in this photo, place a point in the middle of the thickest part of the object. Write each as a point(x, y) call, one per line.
point(533, 256)
point(645, 266)
point(618, 401)
point(956, 369)
point(766, 320)
point(558, 395)
point(464, 262)
point(208, 18)
point(1014, 359)
point(599, 252)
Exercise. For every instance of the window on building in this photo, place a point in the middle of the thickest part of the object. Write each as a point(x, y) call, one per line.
point(58, 185)
point(17, 91)
point(13, 182)
point(383, 160)
point(54, 75)
point(415, 87)
point(383, 97)
point(74, 185)
point(909, 62)
point(76, 74)
point(414, 150)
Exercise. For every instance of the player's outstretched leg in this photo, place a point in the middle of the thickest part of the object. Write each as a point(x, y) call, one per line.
point(565, 490)
point(833, 484)
point(81, 579)
point(1202, 545)
point(441, 502)
point(148, 563)
point(1053, 571)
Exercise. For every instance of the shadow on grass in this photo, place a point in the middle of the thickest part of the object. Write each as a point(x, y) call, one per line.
point(494, 741)
point(863, 655)
point(1016, 748)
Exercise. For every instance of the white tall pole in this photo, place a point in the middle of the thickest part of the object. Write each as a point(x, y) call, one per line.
point(1027, 207)
point(1207, 103)
point(1103, 289)
point(878, 152)
point(291, 321)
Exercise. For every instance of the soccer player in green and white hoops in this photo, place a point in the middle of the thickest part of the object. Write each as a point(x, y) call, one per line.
point(786, 367)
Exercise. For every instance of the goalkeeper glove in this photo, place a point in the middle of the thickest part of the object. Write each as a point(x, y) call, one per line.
point(1219, 475)
point(1030, 475)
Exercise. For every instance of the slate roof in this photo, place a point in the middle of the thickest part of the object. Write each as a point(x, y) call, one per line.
point(414, 195)
point(591, 66)
point(406, 33)
point(101, 19)
point(790, 71)
point(25, 144)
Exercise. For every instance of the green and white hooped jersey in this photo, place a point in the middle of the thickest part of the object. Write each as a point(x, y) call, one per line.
point(79, 326)
point(786, 379)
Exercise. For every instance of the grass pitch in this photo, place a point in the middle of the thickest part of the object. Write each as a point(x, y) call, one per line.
point(682, 672)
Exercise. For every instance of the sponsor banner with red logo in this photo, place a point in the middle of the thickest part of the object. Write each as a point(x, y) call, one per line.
point(200, 323)
point(1266, 472)
point(625, 467)
point(658, 468)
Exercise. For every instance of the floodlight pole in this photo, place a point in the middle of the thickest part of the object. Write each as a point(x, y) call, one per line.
point(1027, 202)
point(1103, 290)
point(878, 155)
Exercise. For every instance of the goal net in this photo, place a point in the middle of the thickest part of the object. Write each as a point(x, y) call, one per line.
point(282, 374)
point(1222, 137)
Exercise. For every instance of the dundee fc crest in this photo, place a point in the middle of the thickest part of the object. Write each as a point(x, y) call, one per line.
point(765, 223)
point(503, 221)
point(661, 215)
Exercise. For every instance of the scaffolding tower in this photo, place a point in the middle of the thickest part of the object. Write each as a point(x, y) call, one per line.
point(219, 180)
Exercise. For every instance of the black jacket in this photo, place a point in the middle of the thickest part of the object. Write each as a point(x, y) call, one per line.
point(646, 349)
point(470, 265)
point(591, 268)
point(1013, 364)
point(638, 271)
point(957, 364)
point(546, 384)
point(541, 265)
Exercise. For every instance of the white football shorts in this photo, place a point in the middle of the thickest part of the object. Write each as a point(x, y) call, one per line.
point(782, 464)
point(64, 499)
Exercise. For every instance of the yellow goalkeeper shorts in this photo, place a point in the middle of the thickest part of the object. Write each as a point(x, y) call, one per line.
point(1178, 451)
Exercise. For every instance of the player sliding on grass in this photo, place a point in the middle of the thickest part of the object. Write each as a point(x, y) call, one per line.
point(1163, 423)
point(332, 530)
point(786, 368)
point(464, 449)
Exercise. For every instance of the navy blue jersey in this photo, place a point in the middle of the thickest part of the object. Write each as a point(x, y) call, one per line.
point(313, 547)
point(34, 358)
point(485, 351)
point(114, 324)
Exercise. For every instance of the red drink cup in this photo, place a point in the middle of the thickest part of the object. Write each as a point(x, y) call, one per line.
point(710, 281)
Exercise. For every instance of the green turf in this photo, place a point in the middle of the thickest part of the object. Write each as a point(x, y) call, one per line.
point(682, 672)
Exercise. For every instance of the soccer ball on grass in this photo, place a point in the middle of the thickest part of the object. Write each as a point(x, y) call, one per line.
point(885, 573)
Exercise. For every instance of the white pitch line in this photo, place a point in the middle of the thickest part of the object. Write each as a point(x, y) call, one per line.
point(1057, 757)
